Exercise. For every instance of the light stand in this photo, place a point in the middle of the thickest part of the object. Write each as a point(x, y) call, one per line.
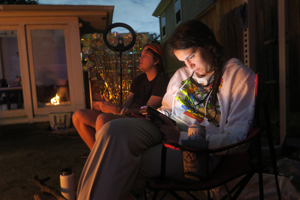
point(120, 47)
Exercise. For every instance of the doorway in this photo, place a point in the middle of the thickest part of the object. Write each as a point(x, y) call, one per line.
point(41, 70)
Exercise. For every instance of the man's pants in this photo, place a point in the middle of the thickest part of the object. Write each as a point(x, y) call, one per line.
point(126, 154)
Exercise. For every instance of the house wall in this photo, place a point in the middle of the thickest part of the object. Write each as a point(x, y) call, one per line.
point(293, 71)
point(23, 19)
point(211, 13)
point(212, 16)
point(190, 9)
point(267, 55)
point(170, 21)
point(267, 49)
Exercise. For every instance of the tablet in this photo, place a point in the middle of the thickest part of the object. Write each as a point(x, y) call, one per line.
point(154, 114)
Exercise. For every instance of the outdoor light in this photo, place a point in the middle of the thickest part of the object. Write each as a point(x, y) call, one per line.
point(120, 46)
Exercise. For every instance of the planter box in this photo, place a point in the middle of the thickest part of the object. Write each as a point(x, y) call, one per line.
point(60, 121)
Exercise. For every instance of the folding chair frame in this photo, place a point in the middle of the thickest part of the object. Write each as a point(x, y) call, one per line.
point(163, 184)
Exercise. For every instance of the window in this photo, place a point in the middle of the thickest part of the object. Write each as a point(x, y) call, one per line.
point(50, 66)
point(11, 91)
point(177, 11)
point(163, 25)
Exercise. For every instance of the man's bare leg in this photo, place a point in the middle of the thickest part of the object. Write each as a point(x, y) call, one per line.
point(106, 117)
point(84, 121)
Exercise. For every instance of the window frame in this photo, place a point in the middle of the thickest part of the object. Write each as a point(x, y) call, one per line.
point(163, 27)
point(177, 22)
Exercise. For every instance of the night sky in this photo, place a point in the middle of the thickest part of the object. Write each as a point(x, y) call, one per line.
point(135, 13)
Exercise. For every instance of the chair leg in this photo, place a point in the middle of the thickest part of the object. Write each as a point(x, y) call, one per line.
point(166, 192)
point(261, 186)
point(274, 164)
point(155, 194)
point(228, 193)
point(239, 187)
point(145, 194)
point(191, 195)
point(277, 187)
point(174, 194)
point(260, 169)
point(271, 146)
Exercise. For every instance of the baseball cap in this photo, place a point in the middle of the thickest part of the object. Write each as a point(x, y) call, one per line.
point(157, 49)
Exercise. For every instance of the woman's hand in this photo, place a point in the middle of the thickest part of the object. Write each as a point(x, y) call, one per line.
point(170, 131)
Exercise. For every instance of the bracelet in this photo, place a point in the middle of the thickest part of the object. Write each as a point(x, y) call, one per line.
point(124, 109)
point(118, 112)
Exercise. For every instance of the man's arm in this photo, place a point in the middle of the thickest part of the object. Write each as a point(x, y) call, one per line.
point(108, 107)
point(129, 100)
point(154, 101)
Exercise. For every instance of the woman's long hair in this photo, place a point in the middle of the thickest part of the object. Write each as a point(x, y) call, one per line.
point(194, 33)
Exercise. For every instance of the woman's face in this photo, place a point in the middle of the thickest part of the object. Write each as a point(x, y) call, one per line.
point(197, 59)
point(147, 61)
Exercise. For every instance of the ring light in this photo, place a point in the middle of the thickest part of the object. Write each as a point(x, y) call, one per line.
point(120, 47)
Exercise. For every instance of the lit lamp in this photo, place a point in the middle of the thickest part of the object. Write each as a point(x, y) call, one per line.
point(120, 46)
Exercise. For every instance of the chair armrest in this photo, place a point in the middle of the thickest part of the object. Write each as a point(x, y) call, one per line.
point(252, 133)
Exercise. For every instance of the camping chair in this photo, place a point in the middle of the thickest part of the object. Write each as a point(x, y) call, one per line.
point(230, 167)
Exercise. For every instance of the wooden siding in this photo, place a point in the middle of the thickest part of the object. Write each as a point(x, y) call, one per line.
point(267, 54)
point(191, 9)
point(211, 14)
point(225, 24)
point(293, 70)
point(170, 20)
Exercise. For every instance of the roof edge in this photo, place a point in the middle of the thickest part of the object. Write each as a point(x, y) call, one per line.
point(161, 7)
point(55, 8)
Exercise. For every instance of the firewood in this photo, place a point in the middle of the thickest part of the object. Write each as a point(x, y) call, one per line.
point(46, 189)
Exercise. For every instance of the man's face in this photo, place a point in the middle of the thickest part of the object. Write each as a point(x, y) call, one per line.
point(147, 61)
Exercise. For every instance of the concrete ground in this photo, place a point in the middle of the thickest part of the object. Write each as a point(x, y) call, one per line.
point(27, 151)
point(33, 150)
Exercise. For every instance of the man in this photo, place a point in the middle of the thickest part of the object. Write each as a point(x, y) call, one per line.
point(146, 89)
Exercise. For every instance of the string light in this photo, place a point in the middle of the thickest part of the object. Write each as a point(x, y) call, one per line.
point(103, 63)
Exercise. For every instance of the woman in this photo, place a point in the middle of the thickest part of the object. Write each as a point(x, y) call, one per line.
point(148, 88)
point(207, 91)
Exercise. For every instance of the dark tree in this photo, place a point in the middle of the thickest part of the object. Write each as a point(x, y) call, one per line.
point(154, 38)
point(19, 1)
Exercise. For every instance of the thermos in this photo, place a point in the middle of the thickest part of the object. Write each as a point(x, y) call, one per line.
point(67, 184)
